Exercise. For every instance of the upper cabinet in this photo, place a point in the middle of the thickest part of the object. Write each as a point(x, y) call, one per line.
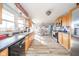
point(0, 13)
point(68, 19)
point(64, 20)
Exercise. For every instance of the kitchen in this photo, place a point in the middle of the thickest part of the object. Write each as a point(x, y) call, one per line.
point(18, 28)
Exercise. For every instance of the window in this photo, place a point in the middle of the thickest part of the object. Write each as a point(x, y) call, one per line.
point(21, 24)
point(21, 21)
point(3, 26)
point(8, 21)
point(7, 15)
point(21, 27)
point(10, 25)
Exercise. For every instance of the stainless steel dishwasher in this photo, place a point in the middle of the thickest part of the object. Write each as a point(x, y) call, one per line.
point(17, 49)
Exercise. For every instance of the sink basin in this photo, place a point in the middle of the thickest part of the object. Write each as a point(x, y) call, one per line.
point(2, 36)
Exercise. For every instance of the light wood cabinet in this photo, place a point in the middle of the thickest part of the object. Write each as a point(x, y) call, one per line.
point(69, 19)
point(0, 13)
point(30, 22)
point(60, 38)
point(66, 40)
point(4, 52)
point(28, 41)
point(64, 20)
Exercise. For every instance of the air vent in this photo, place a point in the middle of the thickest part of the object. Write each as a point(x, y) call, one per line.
point(48, 13)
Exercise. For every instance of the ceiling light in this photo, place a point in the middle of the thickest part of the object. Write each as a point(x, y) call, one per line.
point(48, 13)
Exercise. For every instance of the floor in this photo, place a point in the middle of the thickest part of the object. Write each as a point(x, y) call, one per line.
point(46, 46)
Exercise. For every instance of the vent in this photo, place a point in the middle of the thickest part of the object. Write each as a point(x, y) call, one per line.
point(48, 13)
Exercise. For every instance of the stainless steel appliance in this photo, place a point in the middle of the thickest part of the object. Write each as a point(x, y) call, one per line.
point(75, 33)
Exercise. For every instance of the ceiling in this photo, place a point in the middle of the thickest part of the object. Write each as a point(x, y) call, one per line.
point(37, 11)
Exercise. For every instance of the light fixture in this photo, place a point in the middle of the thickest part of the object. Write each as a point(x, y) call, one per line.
point(49, 12)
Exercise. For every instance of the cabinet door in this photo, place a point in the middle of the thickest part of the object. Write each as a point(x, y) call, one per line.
point(0, 13)
point(64, 20)
point(30, 23)
point(66, 41)
point(68, 19)
point(4, 52)
point(28, 41)
point(60, 38)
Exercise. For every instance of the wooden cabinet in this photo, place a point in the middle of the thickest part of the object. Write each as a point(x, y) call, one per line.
point(66, 40)
point(59, 21)
point(28, 41)
point(60, 38)
point(4, 52)
point(68, 20)
point(30, 23)
point(0, 13)
point(64, 20)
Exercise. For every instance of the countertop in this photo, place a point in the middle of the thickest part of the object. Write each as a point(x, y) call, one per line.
point(7, 32)
point(5, 43)
point(60, 32)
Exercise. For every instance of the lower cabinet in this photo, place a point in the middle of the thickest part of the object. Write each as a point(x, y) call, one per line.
point(4, 52)
point(60, 38)
point(28, 41)
point(64, 39)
